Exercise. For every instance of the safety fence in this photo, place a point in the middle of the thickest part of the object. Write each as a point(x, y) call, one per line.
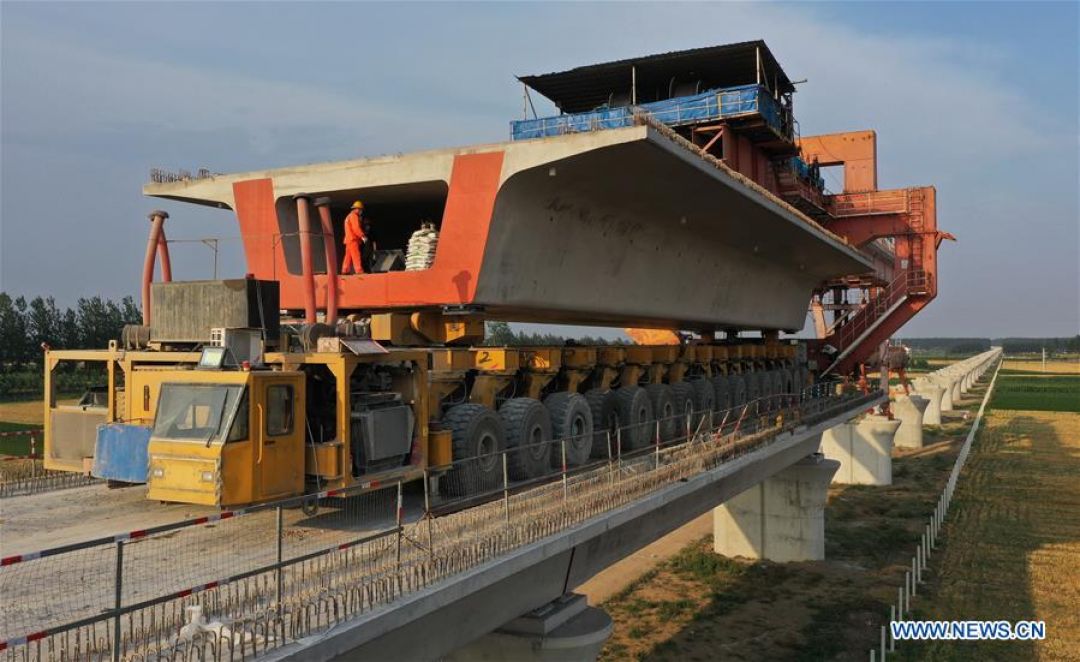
point(932, 531)
point(15, 444)
point(22, 471)
point(276, 572)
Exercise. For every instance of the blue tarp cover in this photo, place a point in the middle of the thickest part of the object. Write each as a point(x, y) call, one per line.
point(712, 104)
point(803, 171)
point(121, 452)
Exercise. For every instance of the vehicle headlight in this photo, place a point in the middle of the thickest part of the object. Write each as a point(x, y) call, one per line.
point(207, 476)
point(158, 472)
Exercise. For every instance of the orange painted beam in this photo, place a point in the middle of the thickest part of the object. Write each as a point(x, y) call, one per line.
point(855, 150)
point(861, 230)
point(474, 184)
point(653, 336)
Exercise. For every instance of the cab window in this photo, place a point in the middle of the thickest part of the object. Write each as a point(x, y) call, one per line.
point(279, 410)
point(239, 429)
point(194, 411)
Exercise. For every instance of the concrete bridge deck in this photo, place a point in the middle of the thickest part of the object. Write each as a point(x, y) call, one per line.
point(441, 618)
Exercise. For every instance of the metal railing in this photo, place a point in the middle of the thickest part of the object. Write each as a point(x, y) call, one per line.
point(907, 283)
point(733, 103)
point(279, 571)
point(25, 473)
point(928, 540)
point(163, 176)
point(867, 203)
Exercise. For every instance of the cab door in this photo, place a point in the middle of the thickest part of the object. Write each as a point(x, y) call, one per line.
point(279, 420)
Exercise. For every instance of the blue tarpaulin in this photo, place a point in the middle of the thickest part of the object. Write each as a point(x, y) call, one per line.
point(121, 452)
point(712, 104)
point(804, 172)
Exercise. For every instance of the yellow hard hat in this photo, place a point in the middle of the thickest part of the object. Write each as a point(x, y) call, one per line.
point(357, 205)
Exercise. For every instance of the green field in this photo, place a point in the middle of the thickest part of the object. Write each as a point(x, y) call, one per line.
point(1032, 392)
point(16, 445)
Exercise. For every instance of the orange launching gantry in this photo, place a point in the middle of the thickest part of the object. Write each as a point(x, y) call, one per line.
point(904, 220)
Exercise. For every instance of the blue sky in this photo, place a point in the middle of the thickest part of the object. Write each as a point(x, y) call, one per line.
point(979, 99)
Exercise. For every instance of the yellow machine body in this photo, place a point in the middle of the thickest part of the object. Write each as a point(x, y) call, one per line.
point(226, 438)
point(301, 427)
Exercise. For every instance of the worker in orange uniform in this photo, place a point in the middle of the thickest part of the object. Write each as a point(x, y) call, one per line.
point(354, 237)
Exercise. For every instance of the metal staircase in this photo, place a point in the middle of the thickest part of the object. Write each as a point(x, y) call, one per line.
point(853, 332)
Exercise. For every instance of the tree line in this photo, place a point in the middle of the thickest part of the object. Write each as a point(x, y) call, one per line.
point(90, 324)
point(501, 334)
point(967, 346)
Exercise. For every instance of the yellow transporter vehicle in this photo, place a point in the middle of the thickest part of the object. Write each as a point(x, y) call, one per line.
point(231, 408)
point(227, 437)
point(228, 423)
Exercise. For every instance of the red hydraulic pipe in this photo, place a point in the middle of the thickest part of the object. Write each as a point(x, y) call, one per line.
point(163, 257)
point(330, 246)
point(303, 217)
point(157, 226)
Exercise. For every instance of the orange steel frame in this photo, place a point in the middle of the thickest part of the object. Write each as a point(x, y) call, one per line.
point(474, 183)
point(862, 214)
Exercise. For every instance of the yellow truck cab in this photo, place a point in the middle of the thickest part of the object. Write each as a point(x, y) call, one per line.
point(227, 437)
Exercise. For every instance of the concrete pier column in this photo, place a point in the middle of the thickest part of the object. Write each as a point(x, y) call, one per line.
point(946, 397)
point(863, 449)
point(910, 410)
point(956, 393)
point(934, 393)
point(567, 629)
point(781, 518)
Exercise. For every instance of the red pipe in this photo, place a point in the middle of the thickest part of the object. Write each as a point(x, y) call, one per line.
point(163, 257)
point(157, 225)
point(330, 246)
point(303, 216)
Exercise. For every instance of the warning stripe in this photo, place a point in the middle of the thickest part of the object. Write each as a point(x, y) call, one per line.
point(22, 433)
point(19, 558)
point(12, 458)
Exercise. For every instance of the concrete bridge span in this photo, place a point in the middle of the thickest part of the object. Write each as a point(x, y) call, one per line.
point(435, 621)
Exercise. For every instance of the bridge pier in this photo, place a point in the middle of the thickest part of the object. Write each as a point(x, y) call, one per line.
point(567, 629)
point(863, 449)
point(934, 393)
point(781, 518)
point(911, 411)
point(956, 392)
point(946, 398)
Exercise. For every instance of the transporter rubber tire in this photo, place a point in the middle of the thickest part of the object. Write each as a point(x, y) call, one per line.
point(753, 386)
point(722, 394)
point(478, 436)
point(738, 390)
point(775, 382)
point(787, 390)
point(778, 381)
point(803, 376)
point(635, 416)
point(664, 412)
point(682, 393)
point(765, 384)
point(528, 438)
point(704, 401)
point(605, 421)
point(789, 380)
point(572, 422)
